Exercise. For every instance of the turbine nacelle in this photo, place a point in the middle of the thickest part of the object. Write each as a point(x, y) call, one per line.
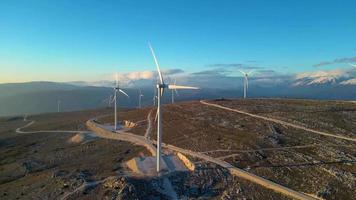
point(161, 86)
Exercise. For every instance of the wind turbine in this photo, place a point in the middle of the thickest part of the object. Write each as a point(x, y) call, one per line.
point(352, 65)
point(245, 81)
point(161, 86)
point(140, 95)
point(58, 105)
point(116, 91)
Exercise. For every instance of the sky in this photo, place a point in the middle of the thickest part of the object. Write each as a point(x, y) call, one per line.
point(85, 40)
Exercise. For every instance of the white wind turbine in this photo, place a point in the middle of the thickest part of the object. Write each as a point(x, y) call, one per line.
point(352, 65)
point(245, 81)
point(58, 105)
point(161, 86)
point(140, 95)
point(116, 90)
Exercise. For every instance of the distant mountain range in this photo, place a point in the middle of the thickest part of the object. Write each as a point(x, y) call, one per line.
point(41, 97)
point(334, 77)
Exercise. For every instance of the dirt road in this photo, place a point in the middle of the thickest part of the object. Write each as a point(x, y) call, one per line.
point(280, 122)
point(18, 130)
point(101, 131)
point(149, 126)
point(141, 140)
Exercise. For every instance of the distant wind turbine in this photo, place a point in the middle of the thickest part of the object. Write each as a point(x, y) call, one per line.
point(161, 86)
point(140, 95)
point(58, 105)
point(116, 90)
point(352, 65)
point(246, 81)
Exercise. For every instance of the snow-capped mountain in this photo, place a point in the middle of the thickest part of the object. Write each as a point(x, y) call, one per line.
point(331, 77)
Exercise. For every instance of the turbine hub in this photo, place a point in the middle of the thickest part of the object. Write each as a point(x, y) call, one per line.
point(162, 85)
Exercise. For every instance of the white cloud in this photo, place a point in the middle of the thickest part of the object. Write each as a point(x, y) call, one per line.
point(217, 78)
point(319, 74)
point(136, 75)
point(336, 76)
point(349, 82)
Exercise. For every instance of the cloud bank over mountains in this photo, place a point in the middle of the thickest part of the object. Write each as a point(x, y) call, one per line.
point(229, 77)
point(337, 76)
point(336, 61)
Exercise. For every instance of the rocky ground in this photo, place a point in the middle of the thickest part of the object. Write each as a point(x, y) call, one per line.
point(306, 162)
point(80, 166)
point(76, 166)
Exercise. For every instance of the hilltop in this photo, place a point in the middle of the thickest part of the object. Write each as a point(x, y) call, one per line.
point(66, 165)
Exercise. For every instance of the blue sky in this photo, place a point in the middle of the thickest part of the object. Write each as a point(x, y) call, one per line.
point(76, 40)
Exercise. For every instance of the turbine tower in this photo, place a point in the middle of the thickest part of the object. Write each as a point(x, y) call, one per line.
point(161, 86)
point(140, 95)
point(116, 91)
point(58, 105)
point(245, 81)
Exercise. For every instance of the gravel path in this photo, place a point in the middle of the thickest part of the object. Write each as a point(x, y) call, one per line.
point(280, 122)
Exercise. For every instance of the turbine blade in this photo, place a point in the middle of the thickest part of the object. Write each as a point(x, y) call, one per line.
point(352, 65)
point(113, 98)
point(157, 65)
point(117, 79)
point(242, 72)
point(250, 72)
point(162, 91)
point(156, 115)
point(176, 92)
point(179, 87)
point(120, 90)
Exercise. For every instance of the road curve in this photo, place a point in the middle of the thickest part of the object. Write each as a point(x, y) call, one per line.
point(279, 122)
point(243, 174)
point(149, 126)
point(141, 140)
point(103, 132)
point(18, 130)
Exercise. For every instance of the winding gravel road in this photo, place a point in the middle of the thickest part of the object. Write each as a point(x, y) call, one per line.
point(142, 140)
point(104, 132)
point(18, 130)
point(279, 122)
